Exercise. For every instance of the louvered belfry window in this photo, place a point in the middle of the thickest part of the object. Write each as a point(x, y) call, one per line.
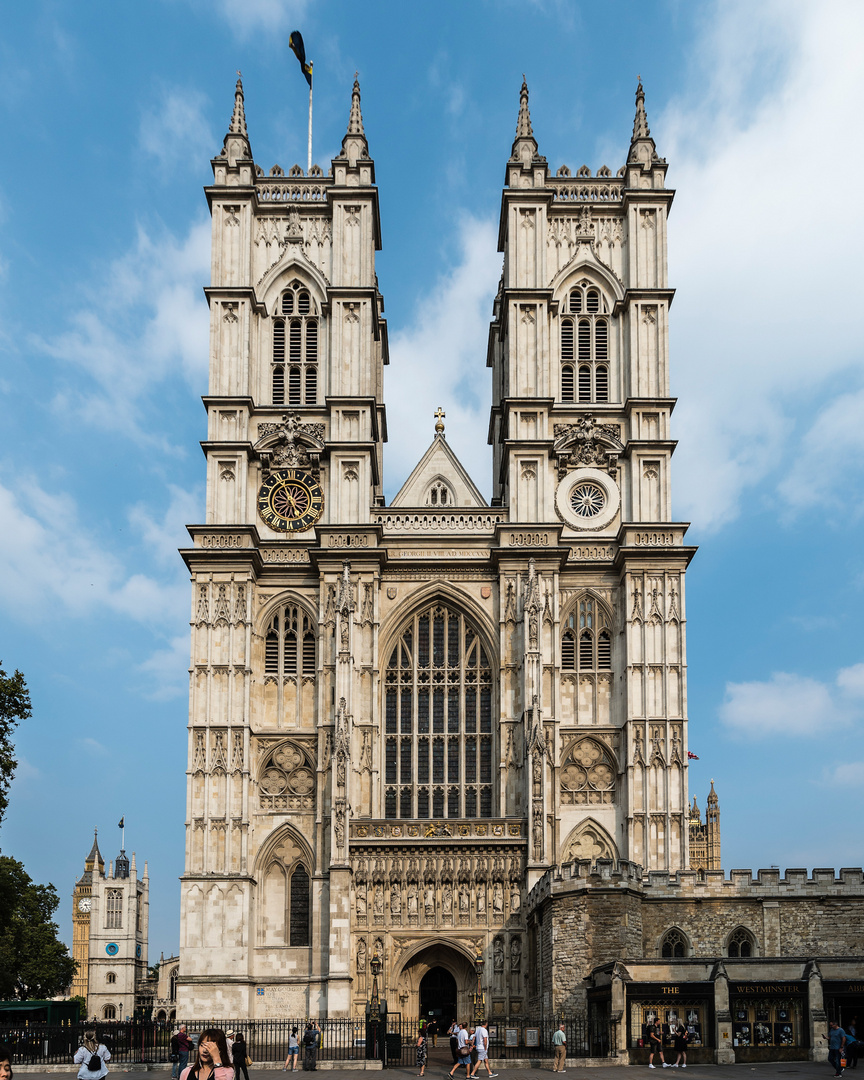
point(438, 720)
point(586, 644)
point(289, 647)
point(294, 355)
point(585, 339)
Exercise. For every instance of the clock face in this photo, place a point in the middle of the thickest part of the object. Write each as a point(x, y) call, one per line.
point(290, 500)
point(84, 904)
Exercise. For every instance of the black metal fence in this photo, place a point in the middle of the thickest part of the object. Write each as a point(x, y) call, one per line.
point(393, 1039)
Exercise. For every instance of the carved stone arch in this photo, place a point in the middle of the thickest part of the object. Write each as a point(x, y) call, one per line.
point(572, 606)
point(590, 267)
point(439, 481)
point(284, 843)
point(280, 275)
point(278, 866)
point(740, 941)
point(674, 942)
point(391, 628)
point(588, 840)
point(589, 774)
point(268, 610)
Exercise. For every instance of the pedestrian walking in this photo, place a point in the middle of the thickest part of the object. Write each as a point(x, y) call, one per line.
point(311, 1039)
point(655, 1043)
point(240, 1056)
point(680, 1036)
point(465, 1046)
point(836, 1046)
point(181, 1044)
point(453, 1032)
point(293, 1052)
point(559, 1041)
point(212, 1061)
point(481, 1046)
point(93, 1057)
point(421, 1050)
point(432, 1029)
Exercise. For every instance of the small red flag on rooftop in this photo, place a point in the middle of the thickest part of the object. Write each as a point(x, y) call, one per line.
point(691, 756)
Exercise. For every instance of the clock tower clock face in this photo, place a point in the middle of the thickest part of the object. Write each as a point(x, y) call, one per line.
point(290, 500)
point(84, 905)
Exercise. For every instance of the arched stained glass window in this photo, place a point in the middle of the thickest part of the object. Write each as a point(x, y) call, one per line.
point(438, 720)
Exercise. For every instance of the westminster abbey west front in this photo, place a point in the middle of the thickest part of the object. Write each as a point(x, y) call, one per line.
point(441, 730)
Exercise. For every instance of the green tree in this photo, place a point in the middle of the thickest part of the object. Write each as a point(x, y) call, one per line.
point(33, 963)
point(14, 706)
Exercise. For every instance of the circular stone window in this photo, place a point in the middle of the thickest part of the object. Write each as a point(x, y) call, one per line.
point(587, 499)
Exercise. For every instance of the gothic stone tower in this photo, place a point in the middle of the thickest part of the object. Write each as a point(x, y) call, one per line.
point(402, 716)
point(82, 904)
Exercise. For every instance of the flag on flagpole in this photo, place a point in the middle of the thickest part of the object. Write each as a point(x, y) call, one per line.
point(691, 756)
point(121, 824)
point(295, 43)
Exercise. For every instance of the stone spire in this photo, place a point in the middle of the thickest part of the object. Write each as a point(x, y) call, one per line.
point(642, 149)
point(524, 145)
point(354, 145)
point(236, 146)
point(640, 124)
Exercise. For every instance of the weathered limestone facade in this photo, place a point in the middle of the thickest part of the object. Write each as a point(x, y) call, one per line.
point(403, 717)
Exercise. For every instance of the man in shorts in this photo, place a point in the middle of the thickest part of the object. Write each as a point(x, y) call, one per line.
point(465, 1046)
point(481, 1045)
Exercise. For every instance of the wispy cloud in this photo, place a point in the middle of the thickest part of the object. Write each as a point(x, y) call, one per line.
point(794, 705)
point(164, 535)
point(165, 671)
point(439, 360)
point(176, 131)
point(79, 576)
point(136, 328)
point(847, 774)
point(759, 330)
point(248, 17)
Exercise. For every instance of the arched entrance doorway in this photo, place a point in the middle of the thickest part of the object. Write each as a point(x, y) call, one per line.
point(438, 997)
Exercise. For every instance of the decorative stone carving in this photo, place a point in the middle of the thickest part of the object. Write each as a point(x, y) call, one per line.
point(287, 780)
point(293, 444)
point(587, 444)
point(588, 775)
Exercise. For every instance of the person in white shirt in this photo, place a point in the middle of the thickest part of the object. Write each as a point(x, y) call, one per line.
point(481, 1045)
point(464, 1051)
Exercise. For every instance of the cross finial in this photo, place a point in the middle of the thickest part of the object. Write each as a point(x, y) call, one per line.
point(439, 420)
point(239, 73)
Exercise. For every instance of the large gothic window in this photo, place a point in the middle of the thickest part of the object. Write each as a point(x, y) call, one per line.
point(295, 348)
point(585, 346)
point(438, 720)
point(674, 944)
point(114, 909)
point(586, 644)
point(740, 942)
point(290, 661)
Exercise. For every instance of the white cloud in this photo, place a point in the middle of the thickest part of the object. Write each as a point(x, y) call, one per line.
point(440, 360)
point(849, 774)
point(165, 671)
point(246, 17)
point(163, 537)
point(93, 746)
point(48, 559)
point(176, 131)
point(790, 704)
point(759, 327)
point(135, 329)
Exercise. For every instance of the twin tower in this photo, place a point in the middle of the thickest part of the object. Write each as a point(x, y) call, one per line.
point(403, 716)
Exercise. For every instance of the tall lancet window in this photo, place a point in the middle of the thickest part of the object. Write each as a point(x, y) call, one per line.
point(585, 346)
point(294, 375)
point(438, 720)
point(586, 644)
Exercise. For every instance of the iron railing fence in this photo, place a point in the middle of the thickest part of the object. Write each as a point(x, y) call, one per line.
point(393, 1039)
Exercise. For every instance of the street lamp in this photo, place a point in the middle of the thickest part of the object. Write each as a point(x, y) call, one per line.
point(479, 1011)
point(375, 964)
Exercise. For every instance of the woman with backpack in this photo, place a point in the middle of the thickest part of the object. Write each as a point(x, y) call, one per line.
point(92, 1056)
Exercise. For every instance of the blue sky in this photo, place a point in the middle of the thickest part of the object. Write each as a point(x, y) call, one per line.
point(111, 114)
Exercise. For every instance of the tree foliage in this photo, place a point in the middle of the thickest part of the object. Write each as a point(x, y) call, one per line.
point(14, 706)
point(33, 963)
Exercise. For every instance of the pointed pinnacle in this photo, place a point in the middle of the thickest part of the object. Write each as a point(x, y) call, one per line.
point(523, 124)
point(355, 118)
point(640, 124)
point(238, 118)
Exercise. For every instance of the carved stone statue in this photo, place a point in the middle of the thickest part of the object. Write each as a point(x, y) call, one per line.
point(361, 901)
point(515, 898)
point(395, 900)
point(447, 898)
point(481, 899)
point(515, 955)
point(463, 899)
point(498, 899)
point(361, 956)
point(429, 901)
point(498, 954)
point(379, 900)
point(412, 899)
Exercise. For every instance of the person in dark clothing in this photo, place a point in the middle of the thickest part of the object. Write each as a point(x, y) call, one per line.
point(239, 1056)
point(181, 1044)
point(453, 1032)
point(311, 1038)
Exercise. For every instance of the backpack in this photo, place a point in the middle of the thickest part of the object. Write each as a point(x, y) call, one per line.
point(94, 1064)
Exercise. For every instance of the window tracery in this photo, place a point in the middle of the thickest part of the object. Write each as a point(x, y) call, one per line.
point(287, 780)
point(588, 775)
point(438, 720)
point(109, 1012)
point(674, 944)
point(586, 644)
point(285, 905)
point(585, 345)
point(290, 666)
point(114, 909)
point(295, 348)
point(740, 943)
point(439, 494)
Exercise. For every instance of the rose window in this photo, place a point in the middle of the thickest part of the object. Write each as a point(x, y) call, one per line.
point(587, 499)
point(287, 780)
point(588, 776)
point(273, 782)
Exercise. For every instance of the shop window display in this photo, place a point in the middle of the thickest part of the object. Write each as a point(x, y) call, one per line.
point(686, 1014)
point(767, 1022)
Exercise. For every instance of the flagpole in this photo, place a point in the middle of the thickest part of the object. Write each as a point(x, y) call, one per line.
point(309, 154)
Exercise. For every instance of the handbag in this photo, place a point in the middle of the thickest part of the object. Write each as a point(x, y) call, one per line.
point(248, 1060)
